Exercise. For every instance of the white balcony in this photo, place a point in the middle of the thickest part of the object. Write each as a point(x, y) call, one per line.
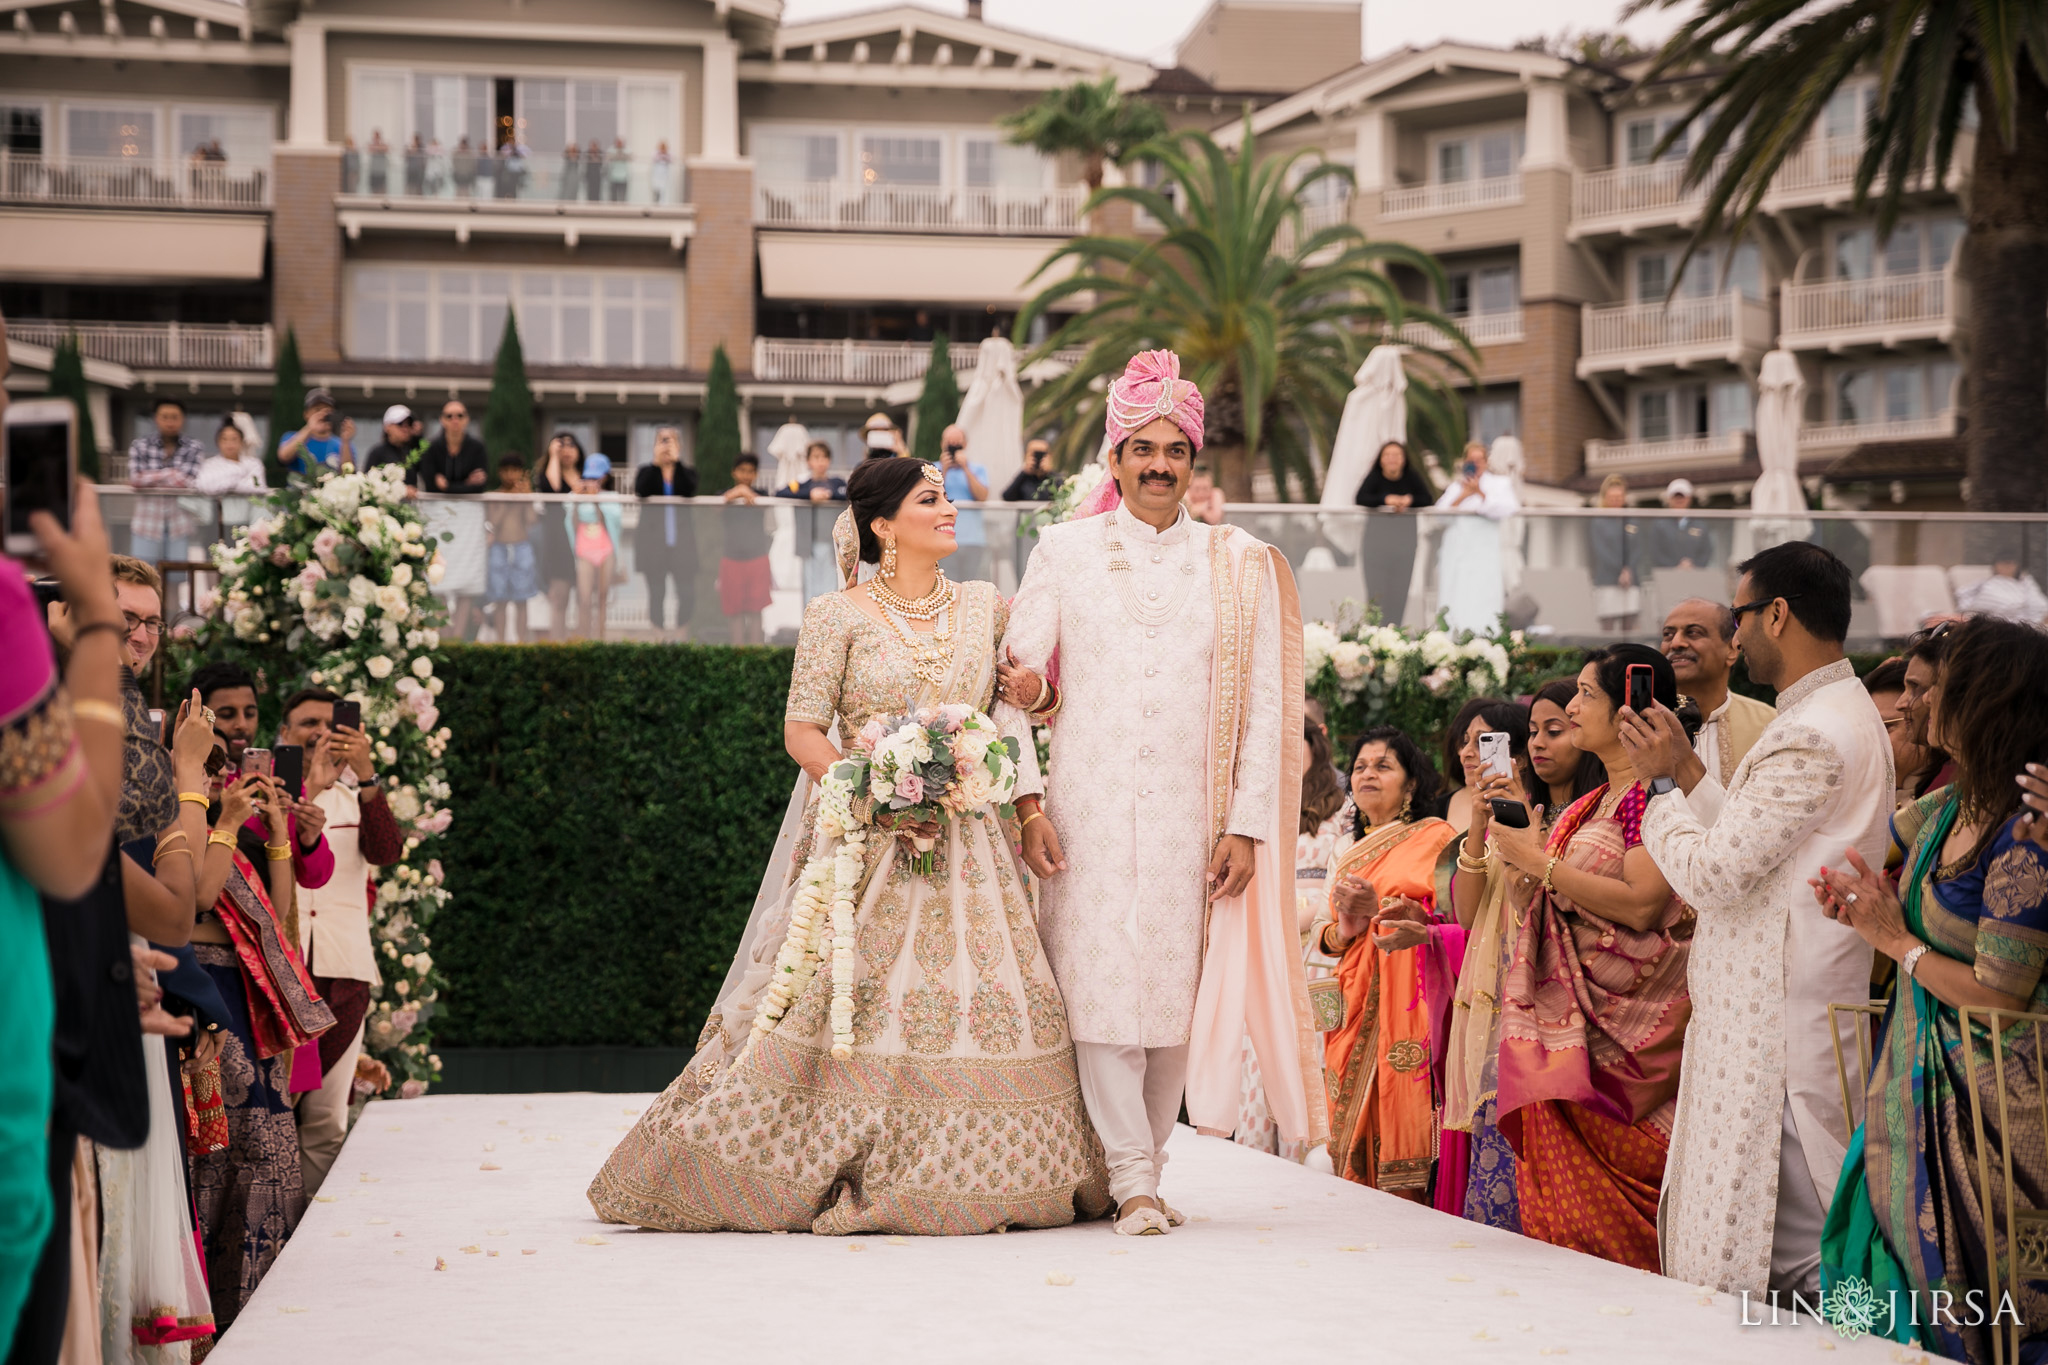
point(1455, 196)
point(1842, 435)
point(1314, 218)
point(1679, 455)
point(1836, 314)
point(1626, 200)
point(128, 182)
point(1632, 337)
point(912, 208)
point(480, 195)
point(1484, 329)
point(155, 345)
point(1822, 172)
point(871, 363)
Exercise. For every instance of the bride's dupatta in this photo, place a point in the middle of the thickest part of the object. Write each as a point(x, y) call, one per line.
point(285, 1010)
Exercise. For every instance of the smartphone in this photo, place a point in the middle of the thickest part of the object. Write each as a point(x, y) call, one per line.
point(1470, 469)
point(1641, 693)
point(256, 762)
point(1495, 756)
point(288, 763)
point(348, 714)
point(41, 458)
point(1513, 814)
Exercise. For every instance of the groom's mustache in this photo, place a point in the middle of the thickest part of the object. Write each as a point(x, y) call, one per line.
point(1158, 480)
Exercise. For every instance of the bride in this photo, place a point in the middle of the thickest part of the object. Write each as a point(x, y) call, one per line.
point(960, 1109)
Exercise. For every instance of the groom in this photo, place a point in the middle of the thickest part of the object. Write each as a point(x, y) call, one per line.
point(1170, 652)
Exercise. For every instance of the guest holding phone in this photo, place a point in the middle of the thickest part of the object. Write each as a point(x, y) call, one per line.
point(334, 919)
point(1594, 1002)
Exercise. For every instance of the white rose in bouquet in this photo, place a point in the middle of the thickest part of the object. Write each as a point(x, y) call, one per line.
point(352, 622)
point(361, 591)
point(423, 667)
point(392, 601)
point(436, 570)
point(401, 575)
point(1438, 649)
point(379, 667)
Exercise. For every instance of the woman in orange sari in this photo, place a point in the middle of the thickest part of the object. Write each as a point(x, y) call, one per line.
point(1382, 1105)
point(1594, 1003)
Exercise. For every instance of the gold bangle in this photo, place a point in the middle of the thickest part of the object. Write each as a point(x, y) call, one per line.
point(1549, 868)
point(87, 708)
point(196, 798)
point(1476, 866)
point(162, 851)
point(1034, 815)
point(221, 837)
point(167, 838)
point(277, 853)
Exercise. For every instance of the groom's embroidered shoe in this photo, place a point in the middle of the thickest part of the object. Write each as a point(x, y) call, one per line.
point(1141, 1220)
point(1174, 1217)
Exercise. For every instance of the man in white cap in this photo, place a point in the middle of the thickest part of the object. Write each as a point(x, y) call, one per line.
point(402, 442)
point(1680, 542)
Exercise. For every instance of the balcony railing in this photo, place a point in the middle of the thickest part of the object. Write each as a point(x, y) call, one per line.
point(1314, 218)
point(915, 208)
point(1830, 434)
point(1628, 335)
point(131, 182)
point(441, 178)
point(1627, 197)
point(1451, 196)
point(1484, 329)
point(1675, 455)
point(801, 361)
point(1839, 312)
point(156, 345)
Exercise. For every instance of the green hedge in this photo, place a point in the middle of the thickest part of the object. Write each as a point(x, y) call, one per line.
point(614, 806)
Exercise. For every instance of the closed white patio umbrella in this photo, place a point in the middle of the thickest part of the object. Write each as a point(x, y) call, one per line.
point(1374, 414)
point(993, 414)
point(1777, 500)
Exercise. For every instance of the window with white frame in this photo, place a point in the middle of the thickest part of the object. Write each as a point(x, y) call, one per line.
point(1898, 392)
point(794, 156)
point(1479, 154)
point(1494, 416)
point(1714, 271)
point(1326, 190)
point(908, 159)
point(23, 125)
point(615, 319)
point(1848, 111)
point(1672, 412)
point(111, 131)
point(135, 130)
point(992, 163)
point(1916, 246)
point(1482, 290)
point(547, 111)
point(1639, 137)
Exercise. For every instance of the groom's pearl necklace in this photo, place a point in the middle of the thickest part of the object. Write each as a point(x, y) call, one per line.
point(1149, 607)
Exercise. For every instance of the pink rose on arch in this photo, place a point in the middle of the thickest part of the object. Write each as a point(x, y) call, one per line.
point(402, 1022)
point(259, 536)
point(412, 1090)
point(311, 572)
point(910, 787)
point(434, 870)
point(429, 715)
point(438, 822)
point(281, 555)
point(324, 542)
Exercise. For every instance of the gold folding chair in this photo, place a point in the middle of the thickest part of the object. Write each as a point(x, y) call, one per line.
point(1875, 1010)
point(2027, 1229)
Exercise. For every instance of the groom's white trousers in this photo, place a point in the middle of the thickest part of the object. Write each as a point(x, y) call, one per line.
point(1133, 1096)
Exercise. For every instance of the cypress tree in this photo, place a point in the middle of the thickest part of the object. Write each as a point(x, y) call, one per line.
point(67, 380)
point(287, 404)
point(718, 426)
point(508, 417)
point(938, 404)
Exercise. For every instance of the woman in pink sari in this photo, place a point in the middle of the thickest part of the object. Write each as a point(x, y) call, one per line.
point(1594, 1003)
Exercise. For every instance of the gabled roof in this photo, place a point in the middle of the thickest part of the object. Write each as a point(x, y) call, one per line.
point(1348, 89)
point(887, 27)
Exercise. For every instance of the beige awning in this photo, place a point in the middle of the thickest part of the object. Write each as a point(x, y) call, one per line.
point(102, 245)
point(859, 267)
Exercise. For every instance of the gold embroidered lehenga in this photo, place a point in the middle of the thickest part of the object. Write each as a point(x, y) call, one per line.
point(960, 1110)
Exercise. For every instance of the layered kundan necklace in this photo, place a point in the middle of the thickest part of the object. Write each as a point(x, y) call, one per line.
point(932, 654)
point(1150, 607)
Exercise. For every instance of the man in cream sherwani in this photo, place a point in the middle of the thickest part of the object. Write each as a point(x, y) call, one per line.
point(1758, 1141)
point(1170, 808)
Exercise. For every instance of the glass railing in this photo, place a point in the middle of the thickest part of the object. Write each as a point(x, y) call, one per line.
point(400, 174)
point(729, 570)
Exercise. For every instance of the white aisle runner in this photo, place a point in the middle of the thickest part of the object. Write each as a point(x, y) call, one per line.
point(454, 1229)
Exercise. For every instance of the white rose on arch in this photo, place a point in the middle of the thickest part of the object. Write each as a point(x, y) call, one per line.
point(423, 667)
point(379, 667)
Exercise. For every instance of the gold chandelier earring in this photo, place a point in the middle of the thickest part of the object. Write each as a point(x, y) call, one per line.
point(887, 568)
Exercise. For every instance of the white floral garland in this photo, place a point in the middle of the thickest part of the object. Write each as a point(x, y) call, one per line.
point(840, 856)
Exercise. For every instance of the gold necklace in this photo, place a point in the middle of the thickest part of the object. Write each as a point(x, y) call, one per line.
point(925, 608)
point(931, 656)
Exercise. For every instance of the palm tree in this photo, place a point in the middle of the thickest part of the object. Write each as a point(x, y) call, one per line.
point(1940, 63)
point(1272, 337)
point(1091, 119)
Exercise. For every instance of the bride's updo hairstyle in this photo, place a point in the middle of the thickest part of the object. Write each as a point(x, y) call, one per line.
point(875, 490)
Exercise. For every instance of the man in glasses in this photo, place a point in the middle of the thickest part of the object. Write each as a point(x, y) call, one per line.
point(1759, 1090)
point(140, 592)
point(455, 462)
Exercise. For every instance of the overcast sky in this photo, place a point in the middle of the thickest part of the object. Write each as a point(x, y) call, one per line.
point(1149, 29)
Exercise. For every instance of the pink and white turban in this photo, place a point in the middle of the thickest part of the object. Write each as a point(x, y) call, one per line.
point(1151, 388)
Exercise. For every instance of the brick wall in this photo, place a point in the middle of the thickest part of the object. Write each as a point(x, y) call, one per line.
point(1559, 414)
point(305, 252)
point(719, 269)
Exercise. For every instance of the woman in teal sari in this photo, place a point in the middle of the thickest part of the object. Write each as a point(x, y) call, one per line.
point(1969, 930)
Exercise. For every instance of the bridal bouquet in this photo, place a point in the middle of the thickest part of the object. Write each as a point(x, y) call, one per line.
point(930, 764)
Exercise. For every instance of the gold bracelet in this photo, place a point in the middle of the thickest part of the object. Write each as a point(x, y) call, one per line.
point(1549, 868)
point(1044, 686)
point(196, 798)
point(221, 837)
point(86, 708)
point(165, 839)
point(1476, 866)
point(162, 851)
point(277, 853)
point(1034, 815)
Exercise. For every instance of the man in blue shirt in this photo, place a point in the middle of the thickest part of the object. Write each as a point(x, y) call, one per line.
point(965, 482)
point(822, 489)
point(318, 444)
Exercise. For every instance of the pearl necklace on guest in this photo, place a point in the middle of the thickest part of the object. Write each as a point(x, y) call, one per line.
point(1148, 609)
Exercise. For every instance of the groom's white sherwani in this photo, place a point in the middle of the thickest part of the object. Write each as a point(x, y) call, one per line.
point(1129, 790)
point(1757, 1144)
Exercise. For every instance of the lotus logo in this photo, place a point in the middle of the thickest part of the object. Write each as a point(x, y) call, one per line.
point(1854, 1308)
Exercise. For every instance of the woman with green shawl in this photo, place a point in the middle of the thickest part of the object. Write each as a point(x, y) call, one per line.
point(1968, 927)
